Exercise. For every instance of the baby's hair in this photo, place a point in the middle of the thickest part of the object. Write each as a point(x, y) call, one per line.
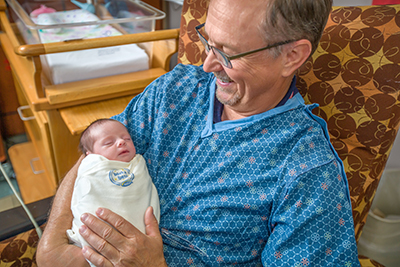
point(86, 141)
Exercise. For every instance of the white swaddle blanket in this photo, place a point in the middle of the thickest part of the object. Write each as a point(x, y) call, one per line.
point(125, 188)
point(86, 64)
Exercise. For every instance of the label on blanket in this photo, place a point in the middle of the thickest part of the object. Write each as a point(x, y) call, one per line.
point(121, 177)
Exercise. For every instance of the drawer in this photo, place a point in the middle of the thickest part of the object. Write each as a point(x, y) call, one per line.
point(33, 184)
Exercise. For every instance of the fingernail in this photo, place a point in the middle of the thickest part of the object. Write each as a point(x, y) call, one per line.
point(82, 229)
point(99, 211)
point(84, 217)
point(84, 250)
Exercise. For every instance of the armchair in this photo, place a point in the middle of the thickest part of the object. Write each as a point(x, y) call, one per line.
point(353, 75)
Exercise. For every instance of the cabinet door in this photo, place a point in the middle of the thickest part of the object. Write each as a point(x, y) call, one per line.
point(33, 162)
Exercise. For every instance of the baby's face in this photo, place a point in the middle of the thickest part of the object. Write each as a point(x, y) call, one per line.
point(113, 141)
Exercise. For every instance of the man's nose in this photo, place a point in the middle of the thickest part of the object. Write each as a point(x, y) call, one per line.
point(211, 63)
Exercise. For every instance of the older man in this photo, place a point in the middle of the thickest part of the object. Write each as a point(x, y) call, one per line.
point(245, 172)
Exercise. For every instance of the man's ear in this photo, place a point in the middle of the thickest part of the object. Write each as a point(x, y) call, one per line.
point(295, 55)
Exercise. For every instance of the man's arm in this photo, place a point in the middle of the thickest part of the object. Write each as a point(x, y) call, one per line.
point(54, 249)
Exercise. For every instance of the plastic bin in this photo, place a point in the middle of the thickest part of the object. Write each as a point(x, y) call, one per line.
point(47, 21)
point(380, 239)
point(128, 16)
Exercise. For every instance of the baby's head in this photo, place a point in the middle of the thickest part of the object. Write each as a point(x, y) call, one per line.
point(108, 138)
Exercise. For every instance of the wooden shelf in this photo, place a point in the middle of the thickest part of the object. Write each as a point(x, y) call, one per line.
point(77, 118)
point(33, 187)
point(104, 87)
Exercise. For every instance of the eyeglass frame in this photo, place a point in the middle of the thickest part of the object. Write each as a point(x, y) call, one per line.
point(227, 59)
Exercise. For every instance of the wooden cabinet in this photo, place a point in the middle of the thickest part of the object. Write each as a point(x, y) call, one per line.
point(59, 113)
point(10, 124)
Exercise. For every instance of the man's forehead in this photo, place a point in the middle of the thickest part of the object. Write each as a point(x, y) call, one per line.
point(233, 22)
point(237, 14)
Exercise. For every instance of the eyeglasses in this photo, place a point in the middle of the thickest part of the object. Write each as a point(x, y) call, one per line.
point(223, 58)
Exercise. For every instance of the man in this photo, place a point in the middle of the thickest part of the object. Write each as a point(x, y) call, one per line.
point(245, 173)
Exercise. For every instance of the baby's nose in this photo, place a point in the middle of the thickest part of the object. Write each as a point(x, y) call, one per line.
point(121, 142)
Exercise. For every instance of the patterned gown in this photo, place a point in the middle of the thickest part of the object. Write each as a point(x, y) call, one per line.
point(266, 190)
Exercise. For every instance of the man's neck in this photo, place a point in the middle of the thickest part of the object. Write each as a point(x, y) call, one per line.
point(229, 115)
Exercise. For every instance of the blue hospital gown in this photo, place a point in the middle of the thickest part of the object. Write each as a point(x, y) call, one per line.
point(266, 190)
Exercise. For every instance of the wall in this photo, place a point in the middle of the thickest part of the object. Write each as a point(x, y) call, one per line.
point(173, 9)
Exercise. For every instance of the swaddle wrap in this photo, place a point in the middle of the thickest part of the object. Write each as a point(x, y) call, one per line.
point(123, 187)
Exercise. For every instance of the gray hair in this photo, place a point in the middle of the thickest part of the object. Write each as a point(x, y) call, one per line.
point(295, 20)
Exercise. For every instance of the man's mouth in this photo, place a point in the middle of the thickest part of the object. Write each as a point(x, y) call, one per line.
point(223, 79)
point(223, 83)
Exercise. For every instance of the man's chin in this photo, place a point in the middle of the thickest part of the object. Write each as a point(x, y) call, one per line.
point(227, 98)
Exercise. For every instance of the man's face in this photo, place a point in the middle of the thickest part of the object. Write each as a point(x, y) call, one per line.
point(255, 81)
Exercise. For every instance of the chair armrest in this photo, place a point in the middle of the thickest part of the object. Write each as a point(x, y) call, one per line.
point(15, 221)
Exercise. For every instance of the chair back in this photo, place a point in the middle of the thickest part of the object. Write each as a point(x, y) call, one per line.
point(191, 50)
point(354, 76)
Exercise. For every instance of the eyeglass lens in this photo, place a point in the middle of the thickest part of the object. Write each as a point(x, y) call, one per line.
point(220, 57)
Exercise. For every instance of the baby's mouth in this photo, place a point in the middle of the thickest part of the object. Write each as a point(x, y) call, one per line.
point(124, 152)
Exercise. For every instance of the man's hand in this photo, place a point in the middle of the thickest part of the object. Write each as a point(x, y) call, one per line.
point(123, 245)
point(61, 255)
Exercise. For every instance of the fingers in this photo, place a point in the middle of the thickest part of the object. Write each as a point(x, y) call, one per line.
point(95, 258)
point(151, 223)
point(118, 241)
point(119, 223)
point(104, 233)
point(97, 233)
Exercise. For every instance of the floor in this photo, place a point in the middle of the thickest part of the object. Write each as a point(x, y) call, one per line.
point(7, 198)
